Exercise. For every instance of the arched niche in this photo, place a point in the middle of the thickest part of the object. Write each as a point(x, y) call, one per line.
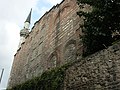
point(70, 51)
point(52, 60)
point(61, 10)
point(67, 5)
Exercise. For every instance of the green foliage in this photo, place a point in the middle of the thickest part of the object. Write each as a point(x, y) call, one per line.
point(49, 80)
point(100, 24)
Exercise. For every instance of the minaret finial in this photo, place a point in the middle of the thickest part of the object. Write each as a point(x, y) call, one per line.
point(29, 16)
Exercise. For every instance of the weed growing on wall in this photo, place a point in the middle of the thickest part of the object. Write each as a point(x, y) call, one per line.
point(49, 80)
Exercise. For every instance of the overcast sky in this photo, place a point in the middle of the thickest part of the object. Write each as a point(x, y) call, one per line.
point(13, 13)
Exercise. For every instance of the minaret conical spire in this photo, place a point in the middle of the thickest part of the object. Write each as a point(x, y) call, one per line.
point(27, 22)
point(29, 16)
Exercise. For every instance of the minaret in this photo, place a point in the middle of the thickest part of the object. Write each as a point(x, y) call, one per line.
point(25, 31)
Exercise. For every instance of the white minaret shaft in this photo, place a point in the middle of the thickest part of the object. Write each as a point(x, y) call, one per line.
point(25, 31)
point(26, 25)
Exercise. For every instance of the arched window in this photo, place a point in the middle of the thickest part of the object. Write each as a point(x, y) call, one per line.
point(70, 51)
point(52, 60)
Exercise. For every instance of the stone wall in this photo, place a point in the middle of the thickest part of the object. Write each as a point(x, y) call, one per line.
point(100, 71)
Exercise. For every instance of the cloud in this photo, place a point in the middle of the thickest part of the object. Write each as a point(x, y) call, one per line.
point(53, 2)
point(8, 45)
point(16, 10)
point(44, 6)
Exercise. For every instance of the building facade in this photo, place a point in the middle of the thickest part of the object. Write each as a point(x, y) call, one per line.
point(53, 41)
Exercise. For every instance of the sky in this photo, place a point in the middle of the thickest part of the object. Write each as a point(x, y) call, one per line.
point(13, 13)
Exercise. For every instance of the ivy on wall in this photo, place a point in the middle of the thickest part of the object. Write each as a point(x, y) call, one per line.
point(49, 80)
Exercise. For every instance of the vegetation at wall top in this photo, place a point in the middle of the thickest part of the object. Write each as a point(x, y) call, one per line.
point(101, 26)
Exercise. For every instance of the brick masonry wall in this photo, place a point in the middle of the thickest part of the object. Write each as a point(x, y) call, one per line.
point(100, 71)
point(53, 41)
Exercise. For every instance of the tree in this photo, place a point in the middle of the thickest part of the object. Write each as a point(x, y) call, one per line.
point(100, 24)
